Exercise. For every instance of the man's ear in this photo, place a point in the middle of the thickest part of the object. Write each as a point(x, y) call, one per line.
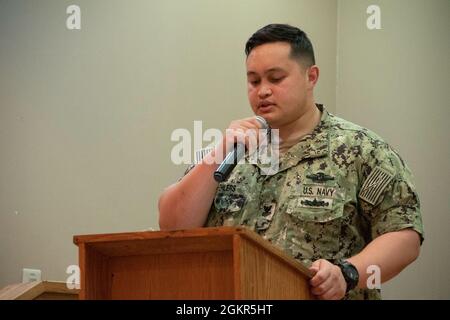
point(313, 75)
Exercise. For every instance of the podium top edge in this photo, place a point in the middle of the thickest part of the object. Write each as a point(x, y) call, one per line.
point(143, 235)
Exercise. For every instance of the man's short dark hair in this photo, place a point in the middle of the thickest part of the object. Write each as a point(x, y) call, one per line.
point(301, 46)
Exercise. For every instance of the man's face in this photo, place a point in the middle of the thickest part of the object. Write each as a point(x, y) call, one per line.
point(279, 88)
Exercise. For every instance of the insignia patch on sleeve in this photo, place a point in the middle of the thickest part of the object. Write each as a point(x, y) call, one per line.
point(375, 184)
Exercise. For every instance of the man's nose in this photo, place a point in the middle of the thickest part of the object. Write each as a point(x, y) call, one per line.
point(264, 92)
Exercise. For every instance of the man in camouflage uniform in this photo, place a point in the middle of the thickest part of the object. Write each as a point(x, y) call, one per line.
point(336, 189)
point(341, 196)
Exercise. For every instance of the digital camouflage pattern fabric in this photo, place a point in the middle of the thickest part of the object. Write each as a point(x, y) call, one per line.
point(337, 189)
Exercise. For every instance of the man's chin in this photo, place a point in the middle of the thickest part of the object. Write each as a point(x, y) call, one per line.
point(271, 118)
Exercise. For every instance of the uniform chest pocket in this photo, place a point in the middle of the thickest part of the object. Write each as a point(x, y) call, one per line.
point(228, 199)
point(316, 223)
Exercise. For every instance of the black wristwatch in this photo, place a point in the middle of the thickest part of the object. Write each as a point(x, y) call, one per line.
point(350, 274)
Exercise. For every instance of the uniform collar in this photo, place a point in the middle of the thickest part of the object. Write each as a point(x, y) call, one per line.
point(312, 145)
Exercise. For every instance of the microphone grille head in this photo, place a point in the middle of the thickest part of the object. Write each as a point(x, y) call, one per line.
point(263, 122)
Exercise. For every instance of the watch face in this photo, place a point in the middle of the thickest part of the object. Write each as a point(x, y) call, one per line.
point(352, 273)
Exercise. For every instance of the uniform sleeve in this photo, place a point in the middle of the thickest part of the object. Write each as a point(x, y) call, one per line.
point(387, 194)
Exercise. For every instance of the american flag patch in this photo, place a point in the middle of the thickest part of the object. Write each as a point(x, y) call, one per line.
point(374, 185)
point(200, 154)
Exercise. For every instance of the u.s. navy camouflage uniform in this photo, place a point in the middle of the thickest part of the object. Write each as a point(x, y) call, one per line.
point(336, 189)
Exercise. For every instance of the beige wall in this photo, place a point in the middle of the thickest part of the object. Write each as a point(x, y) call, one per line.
point(86, 116)
point(395, 81)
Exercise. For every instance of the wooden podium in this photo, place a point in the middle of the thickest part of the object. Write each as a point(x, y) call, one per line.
point(206, 263)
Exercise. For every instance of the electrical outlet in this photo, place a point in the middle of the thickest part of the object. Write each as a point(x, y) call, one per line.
point(29, 275)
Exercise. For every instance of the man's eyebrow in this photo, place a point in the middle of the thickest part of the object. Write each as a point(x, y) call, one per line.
point(249, 73)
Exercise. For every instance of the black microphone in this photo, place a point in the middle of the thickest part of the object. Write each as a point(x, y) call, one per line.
point(234, 156)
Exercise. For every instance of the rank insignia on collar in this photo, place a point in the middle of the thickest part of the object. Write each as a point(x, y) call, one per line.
point(319, 177)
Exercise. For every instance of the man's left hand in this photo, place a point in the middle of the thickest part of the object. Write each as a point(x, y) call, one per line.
point(328, 282)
